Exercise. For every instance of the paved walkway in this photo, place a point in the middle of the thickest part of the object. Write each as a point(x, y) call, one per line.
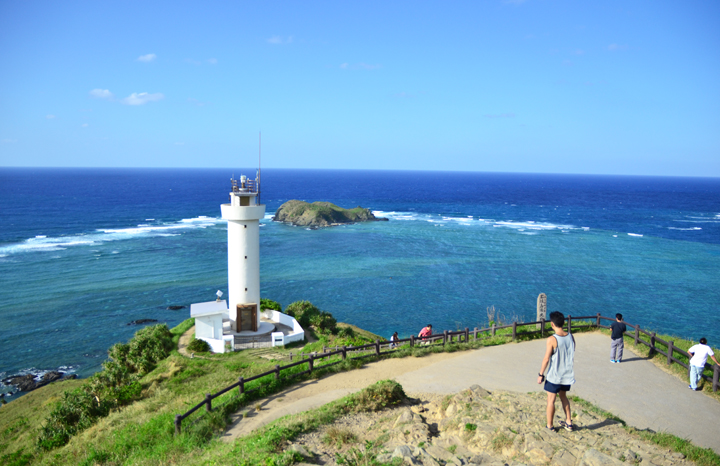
point(636, 390)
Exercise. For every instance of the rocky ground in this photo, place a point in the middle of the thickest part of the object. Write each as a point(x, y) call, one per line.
point(477, 427)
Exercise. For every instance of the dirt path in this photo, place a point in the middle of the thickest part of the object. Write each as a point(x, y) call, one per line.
point(636, 390)
point(185, 340)
point(315, 393)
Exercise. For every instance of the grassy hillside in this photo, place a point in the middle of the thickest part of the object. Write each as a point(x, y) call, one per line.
point(142, 432)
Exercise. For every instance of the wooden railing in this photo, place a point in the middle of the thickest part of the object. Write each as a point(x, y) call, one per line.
point(462, 336)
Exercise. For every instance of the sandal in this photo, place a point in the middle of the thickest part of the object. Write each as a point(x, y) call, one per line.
point(567, 426)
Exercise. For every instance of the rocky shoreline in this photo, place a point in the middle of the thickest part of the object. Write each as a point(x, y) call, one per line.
point(478, 427)
point(30, 382)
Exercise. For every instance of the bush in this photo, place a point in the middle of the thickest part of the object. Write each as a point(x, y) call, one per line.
point(377, 396)
point(77, 411)
point(346, 332)
point(198, 346)
point(324, 322)
point(303, 311)
point(269, 304)
point(116, 385)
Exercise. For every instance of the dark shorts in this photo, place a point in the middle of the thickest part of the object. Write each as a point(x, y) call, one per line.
point(555, 388)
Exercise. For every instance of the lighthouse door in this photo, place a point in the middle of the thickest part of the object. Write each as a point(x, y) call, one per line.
point(247, 317)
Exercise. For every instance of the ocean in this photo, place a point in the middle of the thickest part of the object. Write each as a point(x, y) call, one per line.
point(84, 252)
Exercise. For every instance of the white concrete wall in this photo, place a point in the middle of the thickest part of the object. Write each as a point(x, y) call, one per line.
point(217, 345)
point(298, 332)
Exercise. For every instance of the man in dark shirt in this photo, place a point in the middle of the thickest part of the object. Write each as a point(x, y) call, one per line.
point(617, 343)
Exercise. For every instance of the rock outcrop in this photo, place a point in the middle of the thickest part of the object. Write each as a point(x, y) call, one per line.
point(477, 427)
point(321, 214)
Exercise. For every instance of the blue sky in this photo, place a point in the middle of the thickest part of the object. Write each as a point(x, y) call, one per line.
point(611, 87)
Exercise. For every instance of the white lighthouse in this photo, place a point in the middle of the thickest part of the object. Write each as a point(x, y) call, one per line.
point(238, 323)
point(243, 215)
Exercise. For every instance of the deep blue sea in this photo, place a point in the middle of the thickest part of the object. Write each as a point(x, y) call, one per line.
point(85, 251)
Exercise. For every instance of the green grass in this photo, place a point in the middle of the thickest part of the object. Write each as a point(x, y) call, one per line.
point(143, 432)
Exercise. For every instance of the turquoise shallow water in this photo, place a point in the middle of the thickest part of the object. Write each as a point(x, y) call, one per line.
point(111, 247)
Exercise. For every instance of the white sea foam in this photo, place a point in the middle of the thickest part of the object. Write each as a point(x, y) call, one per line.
point(471, 221)
point(685, 229)
point(42, 243)
point(634, 234)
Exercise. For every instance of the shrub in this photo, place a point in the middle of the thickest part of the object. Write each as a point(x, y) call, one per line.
point(77, 411)
point(270, 304)
point(324, 322)
point(346, 332)
point(116, 385)
point(303, 311)
point(198, 346)
point(378, 396)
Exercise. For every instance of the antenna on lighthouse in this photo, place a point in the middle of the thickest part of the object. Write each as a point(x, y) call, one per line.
point(259, 160)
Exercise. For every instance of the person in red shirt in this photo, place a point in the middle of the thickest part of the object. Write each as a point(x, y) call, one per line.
point(425, 333)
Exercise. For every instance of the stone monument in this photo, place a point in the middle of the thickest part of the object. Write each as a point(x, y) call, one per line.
point(541, 309)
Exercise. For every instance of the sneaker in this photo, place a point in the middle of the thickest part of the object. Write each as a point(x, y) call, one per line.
point(690, 387)
point(612, 361)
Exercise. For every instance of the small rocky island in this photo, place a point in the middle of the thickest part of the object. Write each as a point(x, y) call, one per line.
point(321, 214)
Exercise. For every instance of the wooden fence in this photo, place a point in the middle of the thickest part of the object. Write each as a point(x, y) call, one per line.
point(461, 336)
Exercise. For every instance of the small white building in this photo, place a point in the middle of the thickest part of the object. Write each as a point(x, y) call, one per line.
point(238, 323)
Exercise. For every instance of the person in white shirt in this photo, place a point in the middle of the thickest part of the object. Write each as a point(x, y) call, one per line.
point(698, 357)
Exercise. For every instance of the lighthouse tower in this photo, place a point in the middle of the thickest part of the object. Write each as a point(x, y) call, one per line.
point(243, 215)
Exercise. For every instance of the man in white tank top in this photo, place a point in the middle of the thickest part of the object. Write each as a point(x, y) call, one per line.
point(559, 357)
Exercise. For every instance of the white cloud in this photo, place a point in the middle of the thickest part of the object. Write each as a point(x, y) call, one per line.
point(212, 61)
point(179, 143)
point(101, 94)
point(278, 40)
point(613, 47)
point(147, 58)
point(49, 117)
point(9, 141)
point(84, 125)
point(142, 98)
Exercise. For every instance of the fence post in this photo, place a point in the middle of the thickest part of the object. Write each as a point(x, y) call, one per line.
point(652, 344)
point(208, 402)
point(597, 323)
point(412, 341)
point(377, 348)
point(569, 323)
point(637, 334)
point(290, 357)
point(467, 335)
point(241, 385)
point(670, 352)
point(344, 352)
point(323, 350)
point(444, 336)
point(493, 329)
point(277, 372)
point(716, 377)
point(542, 328)
point(178, 423)
point(514, 330)
point(475, 333)
point(310, 362)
